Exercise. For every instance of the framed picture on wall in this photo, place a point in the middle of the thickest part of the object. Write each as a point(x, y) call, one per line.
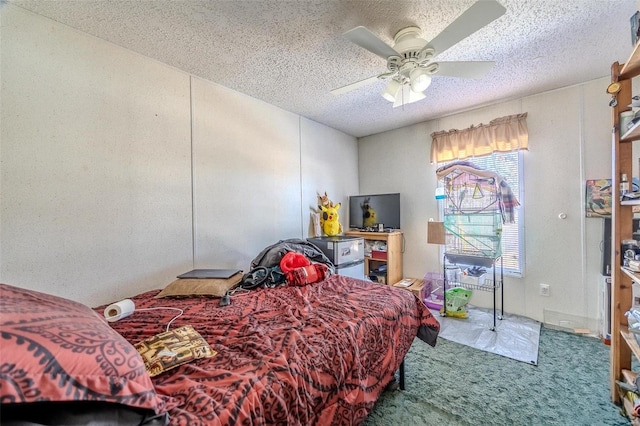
point(598, 198)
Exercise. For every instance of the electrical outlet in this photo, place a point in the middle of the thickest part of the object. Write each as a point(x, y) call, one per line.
point(544, 290)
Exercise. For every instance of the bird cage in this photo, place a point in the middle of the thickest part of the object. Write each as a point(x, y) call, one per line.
point(472, 217)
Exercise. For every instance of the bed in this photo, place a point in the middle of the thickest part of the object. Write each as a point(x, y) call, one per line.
point(315, 354)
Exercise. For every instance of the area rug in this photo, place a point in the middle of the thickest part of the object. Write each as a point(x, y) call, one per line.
point(515, 337)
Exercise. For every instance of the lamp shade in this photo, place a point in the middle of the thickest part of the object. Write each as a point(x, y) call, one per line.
point(420, 80)
point(407, 96)
point(390, 92)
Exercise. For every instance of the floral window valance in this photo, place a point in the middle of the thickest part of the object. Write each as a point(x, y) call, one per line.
point(503, 134)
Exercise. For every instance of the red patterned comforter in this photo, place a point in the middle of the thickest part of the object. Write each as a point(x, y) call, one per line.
point(319, 354)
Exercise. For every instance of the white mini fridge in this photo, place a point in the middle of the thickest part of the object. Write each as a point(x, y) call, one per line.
point(345, 252)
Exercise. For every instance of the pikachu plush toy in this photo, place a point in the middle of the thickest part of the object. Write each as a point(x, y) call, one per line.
point(330, 220)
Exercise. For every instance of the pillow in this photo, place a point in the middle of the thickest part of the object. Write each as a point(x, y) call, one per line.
point(172, 348)
point(55, 349)
point(189, 287)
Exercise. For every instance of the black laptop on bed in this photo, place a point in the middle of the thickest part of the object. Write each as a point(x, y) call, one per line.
point(210, 273)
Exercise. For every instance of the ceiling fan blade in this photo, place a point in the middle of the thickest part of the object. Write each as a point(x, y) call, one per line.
point(407, 96)
point(354, 86)
point(464, 69)
point(368, 40)
point(477, 16)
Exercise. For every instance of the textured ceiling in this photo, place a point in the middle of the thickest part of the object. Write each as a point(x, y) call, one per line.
point(292, 53)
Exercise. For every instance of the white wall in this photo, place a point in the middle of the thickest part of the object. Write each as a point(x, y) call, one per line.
point(95, 165)
point(119, 172)
point(321, 147)
point(246, 175)
point(570, 141)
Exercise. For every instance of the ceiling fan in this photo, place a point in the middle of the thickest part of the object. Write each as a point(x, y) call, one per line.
point(410, 63)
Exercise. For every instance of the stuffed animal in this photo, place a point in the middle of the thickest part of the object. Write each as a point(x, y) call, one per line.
point(331, 221)
point(369, 216)
point(323, 200)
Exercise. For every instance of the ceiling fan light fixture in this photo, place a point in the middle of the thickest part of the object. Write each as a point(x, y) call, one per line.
point(390, 92)
point(420, 80)
point(409, 61)
point(407, 96)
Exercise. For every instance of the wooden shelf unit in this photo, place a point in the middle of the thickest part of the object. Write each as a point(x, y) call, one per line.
point(623, 343)
point(394, 242)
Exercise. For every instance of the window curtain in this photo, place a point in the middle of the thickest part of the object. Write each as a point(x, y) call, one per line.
point(503, 134)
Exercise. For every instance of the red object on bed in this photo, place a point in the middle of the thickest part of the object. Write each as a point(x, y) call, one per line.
point(317, 354)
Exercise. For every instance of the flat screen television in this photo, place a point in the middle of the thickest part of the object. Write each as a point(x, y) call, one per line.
point(367, 212)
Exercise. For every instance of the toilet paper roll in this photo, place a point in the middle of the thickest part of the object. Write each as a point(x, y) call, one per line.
point(119, 310)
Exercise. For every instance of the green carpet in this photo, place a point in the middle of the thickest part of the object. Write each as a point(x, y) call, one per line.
point(454, 384)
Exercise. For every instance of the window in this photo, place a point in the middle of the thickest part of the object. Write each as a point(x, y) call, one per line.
point(509, 166)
